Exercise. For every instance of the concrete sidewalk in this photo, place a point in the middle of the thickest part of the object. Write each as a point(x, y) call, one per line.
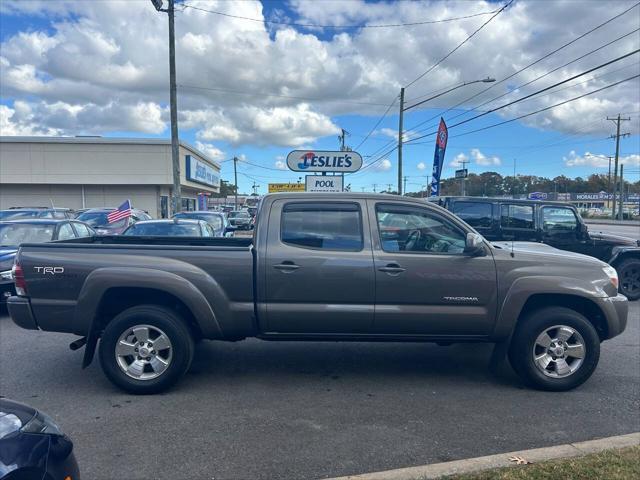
point(471, 465)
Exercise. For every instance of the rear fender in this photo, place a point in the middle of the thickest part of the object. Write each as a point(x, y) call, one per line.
point(102, 279)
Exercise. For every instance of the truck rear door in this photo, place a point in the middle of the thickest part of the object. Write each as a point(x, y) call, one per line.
point(319, 275)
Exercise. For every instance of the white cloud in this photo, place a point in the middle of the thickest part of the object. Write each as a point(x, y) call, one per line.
point(421, 166)
point(109, 59)
point(598, 160)
point(383, 165)
point(481, 159)
point(281, 165)
point(210, 150)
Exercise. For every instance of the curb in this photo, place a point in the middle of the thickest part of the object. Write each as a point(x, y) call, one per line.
point(471, 465)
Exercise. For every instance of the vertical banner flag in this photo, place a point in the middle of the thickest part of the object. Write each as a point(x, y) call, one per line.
point(438, 158)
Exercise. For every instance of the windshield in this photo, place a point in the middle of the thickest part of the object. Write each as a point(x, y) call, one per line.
point(99, 220)
point(238, 215)
point(15, 234)
point(165, 229)
point(211, 218)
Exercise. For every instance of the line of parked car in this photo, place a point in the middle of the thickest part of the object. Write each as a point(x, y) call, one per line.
point(40, 224)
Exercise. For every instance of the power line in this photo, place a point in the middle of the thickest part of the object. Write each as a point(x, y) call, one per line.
point(535, 93)
point(548, 108)
point(498, 12)
point(377, 123)
point(548, 73)
point(535, 62)
point(337, 27)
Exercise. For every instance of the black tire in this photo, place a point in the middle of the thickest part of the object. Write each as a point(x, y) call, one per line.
point(521, 350)
point(168, 322)
point(629, 278)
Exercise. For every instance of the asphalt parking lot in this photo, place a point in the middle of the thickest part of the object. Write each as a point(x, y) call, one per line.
point(289, 410)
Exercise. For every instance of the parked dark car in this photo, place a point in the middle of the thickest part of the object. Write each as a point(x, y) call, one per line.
point(217, 221)
point(240, 219)
point(170, 228)
point(339, 266)
point(15, 232)
point(36, 212)
point(32, 446)
point(557, 224)
point(97, 218)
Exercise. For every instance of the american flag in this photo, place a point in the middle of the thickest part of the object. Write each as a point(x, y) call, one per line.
point(123, 211)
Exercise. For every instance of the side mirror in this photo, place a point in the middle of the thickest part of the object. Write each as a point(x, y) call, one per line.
point(474, 245)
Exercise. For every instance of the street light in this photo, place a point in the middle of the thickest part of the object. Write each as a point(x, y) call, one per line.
point(404, 109)
point(603, 157)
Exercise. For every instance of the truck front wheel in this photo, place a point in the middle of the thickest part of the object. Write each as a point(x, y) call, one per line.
point(629, 278)
point(554, 349)
point(146, 349)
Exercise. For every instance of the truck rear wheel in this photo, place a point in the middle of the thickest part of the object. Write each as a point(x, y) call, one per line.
point(146, 349)
point(629, 278)
point(554, 349)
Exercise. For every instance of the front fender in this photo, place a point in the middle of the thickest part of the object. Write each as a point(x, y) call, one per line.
point(101, 280)
point(525, 287)
point(618, 253)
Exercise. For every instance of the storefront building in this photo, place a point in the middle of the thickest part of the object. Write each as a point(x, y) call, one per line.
point(87, 172)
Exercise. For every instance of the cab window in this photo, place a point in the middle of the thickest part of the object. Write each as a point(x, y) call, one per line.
point(66, 232)
point(476, 214)
point(325, 226)
point(559, 219)
point(416, 230)
point(517, 216)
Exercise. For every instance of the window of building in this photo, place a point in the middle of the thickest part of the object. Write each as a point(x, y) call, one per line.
point(327, 226)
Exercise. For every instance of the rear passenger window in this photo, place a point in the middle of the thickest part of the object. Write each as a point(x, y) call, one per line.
point(476, 214)
point(517, 216)
point(326, 226)
point(66, 232)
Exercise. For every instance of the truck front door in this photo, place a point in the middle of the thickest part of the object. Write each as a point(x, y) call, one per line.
point(319, 275)
point(425, 284)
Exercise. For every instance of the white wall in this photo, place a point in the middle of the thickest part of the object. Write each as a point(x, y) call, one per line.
point(144, 197)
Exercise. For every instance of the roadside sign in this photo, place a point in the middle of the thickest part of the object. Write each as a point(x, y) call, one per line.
point(463, 173)
point(286, 187)
point(324, 183)
point(538, 196)
point(323, 161)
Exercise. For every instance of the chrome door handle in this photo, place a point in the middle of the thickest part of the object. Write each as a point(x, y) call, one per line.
point(286, 266)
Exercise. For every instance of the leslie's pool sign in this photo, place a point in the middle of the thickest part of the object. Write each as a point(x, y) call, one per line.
point(321, 161)
point(323, 183)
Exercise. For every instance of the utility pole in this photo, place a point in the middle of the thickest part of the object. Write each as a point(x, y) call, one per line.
point(426, 192)
point(343, 148)
point(400, 133)
point(173, 101)
point(617, 136)
point(375, 186)
point(404, 186)
point(621, 203)
point(389, 187)
point(255, 187)
point(235, 177)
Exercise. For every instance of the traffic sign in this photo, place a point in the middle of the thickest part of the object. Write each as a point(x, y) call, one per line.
point(463, 173)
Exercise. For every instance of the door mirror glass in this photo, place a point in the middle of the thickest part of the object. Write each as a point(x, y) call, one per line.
point(474, 245)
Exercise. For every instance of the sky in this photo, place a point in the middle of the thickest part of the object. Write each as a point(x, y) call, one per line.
point(259, 79)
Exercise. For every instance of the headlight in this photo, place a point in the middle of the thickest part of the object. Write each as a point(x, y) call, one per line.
point(41, 423)
point(612, 274)
point(6, 275)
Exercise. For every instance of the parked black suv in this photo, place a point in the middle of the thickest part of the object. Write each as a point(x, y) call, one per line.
point(555, 223)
